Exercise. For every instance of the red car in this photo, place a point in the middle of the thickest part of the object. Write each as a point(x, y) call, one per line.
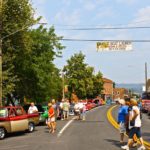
point(88, 106)
point(145, 101)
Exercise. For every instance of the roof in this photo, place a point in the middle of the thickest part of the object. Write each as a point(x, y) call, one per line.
point(105, 80)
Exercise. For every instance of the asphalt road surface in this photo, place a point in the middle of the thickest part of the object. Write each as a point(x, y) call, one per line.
point(96, 133)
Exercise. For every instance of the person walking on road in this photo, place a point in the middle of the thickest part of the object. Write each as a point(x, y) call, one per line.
point(134, 126)
point(122, 114)
point(51, 119)
point(66, 106)
point(77, 110)
point(55, 111)
point(127, 123)
point(61, 109)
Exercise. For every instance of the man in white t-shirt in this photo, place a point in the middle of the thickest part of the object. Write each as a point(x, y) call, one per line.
point(134, 126)
point(32, 109)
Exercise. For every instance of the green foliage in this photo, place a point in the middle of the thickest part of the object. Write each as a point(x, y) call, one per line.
point(16, 15)
point(28, 55)
point(81, 79)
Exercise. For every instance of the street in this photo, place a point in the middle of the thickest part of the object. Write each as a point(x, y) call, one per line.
point(96, 133)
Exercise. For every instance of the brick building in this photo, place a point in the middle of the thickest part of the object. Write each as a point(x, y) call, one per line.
point(120, 93)
point(107, 88)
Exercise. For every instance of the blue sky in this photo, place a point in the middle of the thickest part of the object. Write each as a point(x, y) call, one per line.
point(121, 67)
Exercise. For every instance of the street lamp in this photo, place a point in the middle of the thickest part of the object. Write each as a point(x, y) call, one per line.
point(1, 39)
point(145, 76)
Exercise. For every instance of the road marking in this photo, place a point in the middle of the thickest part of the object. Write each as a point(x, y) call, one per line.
point(115, 124)
point(69, 122)
point(65, 127)
point(13, 147)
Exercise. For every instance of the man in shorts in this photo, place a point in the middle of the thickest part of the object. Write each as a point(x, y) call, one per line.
point(134, 126)
point(122, 113)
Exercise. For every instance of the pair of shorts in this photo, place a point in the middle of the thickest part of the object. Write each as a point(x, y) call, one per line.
point(135, 130)
point(51, 119)
point(122, 127)
point(77, 113)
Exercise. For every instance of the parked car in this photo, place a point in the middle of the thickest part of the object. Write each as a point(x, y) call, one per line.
point(149, 110)
point(88, 106)
point(41, 112)
point(44, 115)
point(15, 119)
point(145, 101)
point(97, 102)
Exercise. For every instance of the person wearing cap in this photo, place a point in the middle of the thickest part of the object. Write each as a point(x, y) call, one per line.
point(122, 114)
point(134, 126)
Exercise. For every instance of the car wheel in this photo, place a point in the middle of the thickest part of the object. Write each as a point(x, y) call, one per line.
point(31, 127)
point(2, 133)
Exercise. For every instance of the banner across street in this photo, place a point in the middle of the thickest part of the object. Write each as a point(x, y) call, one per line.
point(114, 46)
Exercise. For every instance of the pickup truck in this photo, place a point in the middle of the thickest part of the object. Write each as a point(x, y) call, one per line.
point(15, 119)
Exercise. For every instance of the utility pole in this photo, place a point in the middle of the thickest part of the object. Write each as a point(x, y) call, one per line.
point(1, 84)
point(63, 83)
point(146, 77)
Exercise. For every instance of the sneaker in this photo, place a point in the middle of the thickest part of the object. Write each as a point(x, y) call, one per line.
point(121, 142)
point(126, 147)
point(134, 144)
point(141, 148)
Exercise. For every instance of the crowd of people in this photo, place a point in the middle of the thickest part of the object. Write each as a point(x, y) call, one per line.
point(129, 120)
point(60, 111)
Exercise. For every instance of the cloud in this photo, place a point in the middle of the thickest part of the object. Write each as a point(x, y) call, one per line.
point(66, 2)
point(142, 17)
point(105, 13)
point(90, 5)
point(39, 2)
point(64, 17)
point(129, 2)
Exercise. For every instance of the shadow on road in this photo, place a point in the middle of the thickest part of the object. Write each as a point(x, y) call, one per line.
point(19, 134)
point(115, 142)
point(146, 136)
point(16, 134)
point(80, 121)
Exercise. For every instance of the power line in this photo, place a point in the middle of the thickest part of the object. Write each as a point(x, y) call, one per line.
point(103, 25)
point(100, 40)
point(110, 28)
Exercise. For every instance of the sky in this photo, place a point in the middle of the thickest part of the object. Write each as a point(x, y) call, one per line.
point(120, 66)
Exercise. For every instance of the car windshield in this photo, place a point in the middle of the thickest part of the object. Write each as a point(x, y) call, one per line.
point(146, 96)
point(3, 112)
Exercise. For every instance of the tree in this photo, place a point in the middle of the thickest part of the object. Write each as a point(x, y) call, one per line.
point(81, 79)
point(28, 55)
point(16, 15)
point(39, 78)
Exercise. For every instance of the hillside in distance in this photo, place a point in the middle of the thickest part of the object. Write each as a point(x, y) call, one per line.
point(137, 88)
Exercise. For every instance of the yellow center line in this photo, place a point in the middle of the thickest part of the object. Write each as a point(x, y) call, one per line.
point(115, 124)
